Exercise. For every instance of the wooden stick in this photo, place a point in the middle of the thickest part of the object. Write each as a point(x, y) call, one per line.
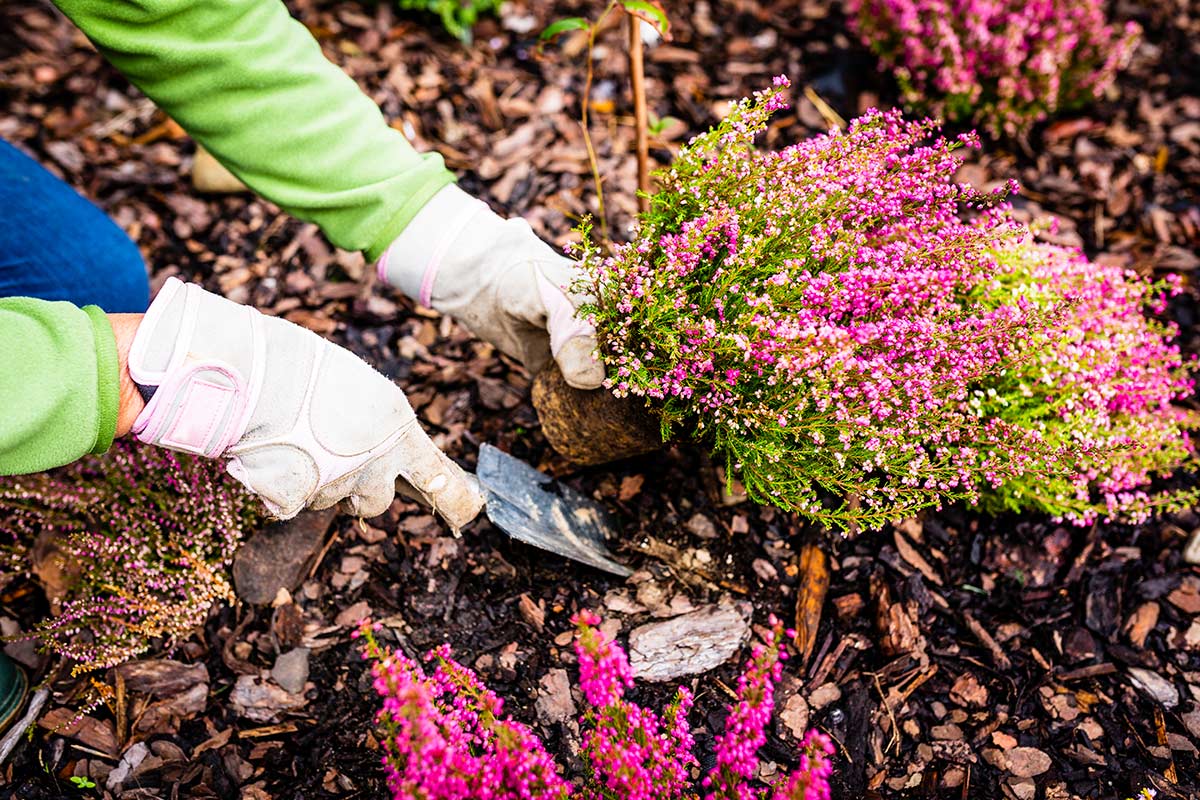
point(637, 77)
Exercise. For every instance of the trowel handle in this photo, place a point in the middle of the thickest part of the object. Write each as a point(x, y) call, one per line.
point(591, 426)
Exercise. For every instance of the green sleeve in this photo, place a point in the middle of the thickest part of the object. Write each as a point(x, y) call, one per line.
point(251, 84)
point(59, 384)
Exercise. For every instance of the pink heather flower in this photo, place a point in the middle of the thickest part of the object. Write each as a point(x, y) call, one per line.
point(746, 725)
point(444, 734)
point(859, 337)
point(810, 781)
point(1001, 64)
point(631, 751)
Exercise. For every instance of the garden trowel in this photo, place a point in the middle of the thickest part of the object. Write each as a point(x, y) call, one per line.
point(534, 508)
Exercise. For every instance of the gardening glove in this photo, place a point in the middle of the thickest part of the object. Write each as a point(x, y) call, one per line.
point(302, 422)
point(498, 279)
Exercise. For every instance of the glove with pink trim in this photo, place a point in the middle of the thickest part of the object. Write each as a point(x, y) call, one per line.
point(498, 279)
point(302, 422)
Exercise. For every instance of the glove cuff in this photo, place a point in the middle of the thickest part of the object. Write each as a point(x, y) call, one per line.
point(411, 263)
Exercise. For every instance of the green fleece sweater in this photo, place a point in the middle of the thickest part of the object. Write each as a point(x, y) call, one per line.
point(251, 84)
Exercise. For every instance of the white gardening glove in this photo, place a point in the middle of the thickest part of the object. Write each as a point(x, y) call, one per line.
point(302, 422)
point(497, 278)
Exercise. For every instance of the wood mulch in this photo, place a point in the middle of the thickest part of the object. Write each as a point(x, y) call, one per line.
point(959, 656)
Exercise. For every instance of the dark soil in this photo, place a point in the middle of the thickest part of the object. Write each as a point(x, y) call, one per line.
point(951, 655)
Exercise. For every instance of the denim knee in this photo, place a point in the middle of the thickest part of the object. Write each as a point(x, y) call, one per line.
point(57, 245)
point(123, 285)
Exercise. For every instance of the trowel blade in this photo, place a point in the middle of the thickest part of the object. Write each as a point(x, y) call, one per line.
point(534, 508)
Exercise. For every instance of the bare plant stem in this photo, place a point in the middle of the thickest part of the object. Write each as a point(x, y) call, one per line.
point(587, 135)
point(637, 77)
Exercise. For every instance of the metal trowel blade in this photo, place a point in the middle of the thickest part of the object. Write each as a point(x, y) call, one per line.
point(534, 508)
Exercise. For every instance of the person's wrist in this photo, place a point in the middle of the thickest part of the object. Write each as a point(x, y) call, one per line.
point(432, 242)
point(125, 327)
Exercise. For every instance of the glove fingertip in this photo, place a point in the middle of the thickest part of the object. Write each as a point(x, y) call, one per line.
point(579, 366)
point(590, 377)
point(369, 505)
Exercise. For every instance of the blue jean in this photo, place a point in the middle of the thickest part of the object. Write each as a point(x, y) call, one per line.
point(55, 245)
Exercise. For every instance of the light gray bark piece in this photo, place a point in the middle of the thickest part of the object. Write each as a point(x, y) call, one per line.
point(291, 670)
point(1155, 686)
point(689, 644)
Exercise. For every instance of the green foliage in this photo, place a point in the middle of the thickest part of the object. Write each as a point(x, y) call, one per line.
point(458, 16)
point(563, 25)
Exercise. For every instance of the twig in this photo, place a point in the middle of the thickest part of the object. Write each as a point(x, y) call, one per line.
point(593, 162)
point(1090, 671)
point(895, 739)
point(18, 730)
point(637, 78)
point(831, 117)
point(998, 654)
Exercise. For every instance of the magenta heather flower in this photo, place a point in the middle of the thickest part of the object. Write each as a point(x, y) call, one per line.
point(999, 64)
point(810, 780)
point(444, 735)
point(631, 752)
point(146, 538)
point(858, 337)
point(731, 778)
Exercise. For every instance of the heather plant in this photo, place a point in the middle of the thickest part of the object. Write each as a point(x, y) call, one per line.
point(444, 736)
point(858, 337)
point(999, 64)
point(144, 537)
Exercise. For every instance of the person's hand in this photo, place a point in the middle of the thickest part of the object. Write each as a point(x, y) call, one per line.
point(303, 422)
point(497, 278)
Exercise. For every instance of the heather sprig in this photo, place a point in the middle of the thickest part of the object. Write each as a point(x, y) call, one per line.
point(631, 752)
point(731, 778)
point(146, 537)
point(999, 64)
point(444, 735)
point(859, 337)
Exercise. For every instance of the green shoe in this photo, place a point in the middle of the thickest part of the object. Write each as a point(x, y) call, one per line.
point(14, 687)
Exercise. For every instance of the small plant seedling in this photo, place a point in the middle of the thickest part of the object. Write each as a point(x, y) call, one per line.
point(652, 13)
point(83, 782)
point(458, 17)
point(657, 125)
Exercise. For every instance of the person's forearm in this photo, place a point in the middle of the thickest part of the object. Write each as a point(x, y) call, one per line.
point(131, 403)
point(59, 385)
point(251, 84)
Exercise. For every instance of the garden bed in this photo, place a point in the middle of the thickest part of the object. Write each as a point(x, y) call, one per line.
point(962, 656)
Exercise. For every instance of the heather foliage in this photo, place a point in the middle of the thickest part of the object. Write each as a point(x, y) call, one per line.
point(858, 337)
point(998, 64)
point(444, 736)
point(146, 537)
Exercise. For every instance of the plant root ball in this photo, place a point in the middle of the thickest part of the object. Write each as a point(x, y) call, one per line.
point(591, 426)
